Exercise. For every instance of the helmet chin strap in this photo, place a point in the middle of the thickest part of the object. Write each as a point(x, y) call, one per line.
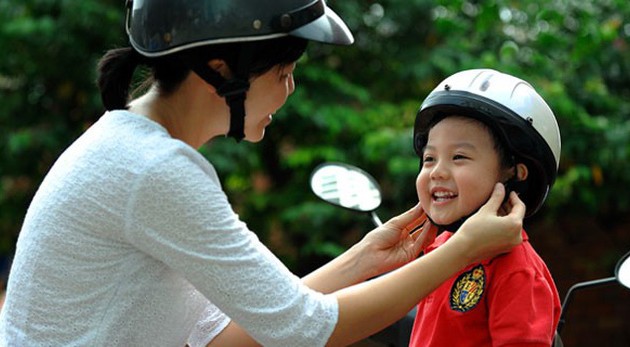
point(512, 184)
point(234, 90)
point(452, 227)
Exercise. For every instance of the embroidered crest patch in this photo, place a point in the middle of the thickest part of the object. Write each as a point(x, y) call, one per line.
point(468, 289)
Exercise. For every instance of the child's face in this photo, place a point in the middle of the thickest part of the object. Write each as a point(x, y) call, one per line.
point(460, 168)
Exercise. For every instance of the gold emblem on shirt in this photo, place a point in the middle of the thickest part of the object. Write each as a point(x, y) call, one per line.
point(468, 289)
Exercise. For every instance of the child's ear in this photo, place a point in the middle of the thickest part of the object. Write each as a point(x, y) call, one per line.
point(521, 172)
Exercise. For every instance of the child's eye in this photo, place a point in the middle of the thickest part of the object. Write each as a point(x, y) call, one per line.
point(427, 159)
point(459, 157)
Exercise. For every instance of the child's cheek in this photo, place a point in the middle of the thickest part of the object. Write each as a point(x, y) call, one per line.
point(422, 189)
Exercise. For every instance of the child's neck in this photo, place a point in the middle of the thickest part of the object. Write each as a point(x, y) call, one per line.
point(454, 226)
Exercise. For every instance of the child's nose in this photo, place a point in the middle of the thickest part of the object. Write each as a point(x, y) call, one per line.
point(439, 171)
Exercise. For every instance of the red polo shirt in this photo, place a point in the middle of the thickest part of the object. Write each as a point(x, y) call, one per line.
point(510, 300)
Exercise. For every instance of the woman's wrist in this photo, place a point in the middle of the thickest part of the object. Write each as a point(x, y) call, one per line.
point(364, 265)
point(462, 245)
point(347, 269)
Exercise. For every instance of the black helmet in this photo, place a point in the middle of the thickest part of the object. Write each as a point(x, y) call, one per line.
point(158, 28)
point(515, 112)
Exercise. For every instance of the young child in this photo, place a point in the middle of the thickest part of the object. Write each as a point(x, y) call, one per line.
point(479, 127)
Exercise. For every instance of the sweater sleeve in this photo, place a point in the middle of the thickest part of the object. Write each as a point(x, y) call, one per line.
point(209, 325)
point(179, 215)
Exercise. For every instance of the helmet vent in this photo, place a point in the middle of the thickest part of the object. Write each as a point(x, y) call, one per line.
point(167, 37)
point(447, 87)
point(484, 86)
point(530, 120)
point(286, 21)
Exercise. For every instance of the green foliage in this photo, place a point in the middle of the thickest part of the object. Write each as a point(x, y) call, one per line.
point(358, 104)
point(353, 104)
point(46, 90)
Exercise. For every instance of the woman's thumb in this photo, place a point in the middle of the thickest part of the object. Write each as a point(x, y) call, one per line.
point(408, 217)
point(496, 198)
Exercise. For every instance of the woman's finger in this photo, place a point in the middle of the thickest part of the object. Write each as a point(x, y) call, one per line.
point(415, 225)
point(518, 207)
point(406, 218)
point(496, 199)
point(424, 236)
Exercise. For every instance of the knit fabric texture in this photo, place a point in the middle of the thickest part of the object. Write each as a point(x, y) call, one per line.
point(131, 241)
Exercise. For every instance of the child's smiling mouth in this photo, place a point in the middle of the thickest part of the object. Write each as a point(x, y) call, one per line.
point(443, 196)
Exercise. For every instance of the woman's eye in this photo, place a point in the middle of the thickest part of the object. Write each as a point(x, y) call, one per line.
point(459, 156)
point(427, 159)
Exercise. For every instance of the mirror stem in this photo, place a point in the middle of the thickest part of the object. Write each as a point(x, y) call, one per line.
point(578, 286)
point(375, 219)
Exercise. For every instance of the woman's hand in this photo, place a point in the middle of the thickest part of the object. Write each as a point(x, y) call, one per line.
point(489, 232)
point(377, 303)
point(385, 248)
point(397, 242)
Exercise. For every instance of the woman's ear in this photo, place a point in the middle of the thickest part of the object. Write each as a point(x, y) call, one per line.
point(221, 67)
point(521, 172)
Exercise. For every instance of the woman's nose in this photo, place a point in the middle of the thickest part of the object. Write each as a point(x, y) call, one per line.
point(291, 84)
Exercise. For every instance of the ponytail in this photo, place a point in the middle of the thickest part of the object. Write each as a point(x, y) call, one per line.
point(115, 71)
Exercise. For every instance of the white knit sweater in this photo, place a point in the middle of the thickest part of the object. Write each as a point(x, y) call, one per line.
point(130, 241)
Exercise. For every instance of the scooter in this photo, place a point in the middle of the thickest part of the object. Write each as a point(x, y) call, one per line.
point(352, 188)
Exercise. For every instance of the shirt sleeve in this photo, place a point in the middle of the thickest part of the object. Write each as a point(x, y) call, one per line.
point(209, 325)
point(180, 215)
point(521, 310)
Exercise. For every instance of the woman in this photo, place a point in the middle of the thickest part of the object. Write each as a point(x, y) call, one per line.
point(131, 241)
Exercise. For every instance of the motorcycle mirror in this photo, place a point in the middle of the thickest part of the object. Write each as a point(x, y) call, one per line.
point(346, 186)
point(622, 271)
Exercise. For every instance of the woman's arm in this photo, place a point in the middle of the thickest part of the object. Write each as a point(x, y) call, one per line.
point(383, 249)
point(378, 303)
point(366, 308)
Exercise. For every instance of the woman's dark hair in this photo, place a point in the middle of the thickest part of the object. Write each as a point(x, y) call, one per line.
point(116, 68)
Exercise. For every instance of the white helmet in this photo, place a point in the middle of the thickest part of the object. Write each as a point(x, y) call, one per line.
point(515, 112)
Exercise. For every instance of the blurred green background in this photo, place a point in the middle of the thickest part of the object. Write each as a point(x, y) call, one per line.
point(357, 105)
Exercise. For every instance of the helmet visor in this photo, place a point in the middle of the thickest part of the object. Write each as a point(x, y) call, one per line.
point(328, 28)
